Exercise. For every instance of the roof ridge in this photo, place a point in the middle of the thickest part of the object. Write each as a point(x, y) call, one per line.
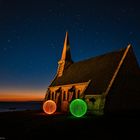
point(122, 49)
point(117, 69)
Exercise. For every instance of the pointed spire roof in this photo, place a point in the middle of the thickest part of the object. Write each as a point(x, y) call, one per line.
point(66, 54)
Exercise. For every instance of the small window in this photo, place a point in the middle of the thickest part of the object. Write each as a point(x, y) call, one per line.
point(92, 99)
point(64, 96)
point(78, 94)
point(52, 95)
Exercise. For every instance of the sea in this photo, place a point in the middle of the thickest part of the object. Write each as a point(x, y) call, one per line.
point(20, 106)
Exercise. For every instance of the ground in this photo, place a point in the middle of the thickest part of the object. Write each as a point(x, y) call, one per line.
point(36, 124)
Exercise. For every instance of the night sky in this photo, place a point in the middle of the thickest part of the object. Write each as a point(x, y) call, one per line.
point(32, 34)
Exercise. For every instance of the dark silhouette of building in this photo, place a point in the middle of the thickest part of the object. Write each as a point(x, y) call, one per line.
point(109, 82)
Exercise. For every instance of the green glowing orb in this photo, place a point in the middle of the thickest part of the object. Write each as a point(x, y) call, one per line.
point(78, 107)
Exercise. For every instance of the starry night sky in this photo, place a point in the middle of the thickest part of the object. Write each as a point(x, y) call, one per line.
point(32, 34)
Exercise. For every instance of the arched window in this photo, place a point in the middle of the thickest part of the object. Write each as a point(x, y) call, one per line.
point(72, 93)
point(58, 91)
point(78, 94)
point(64, 96)
point(52, 95)
point(58, 94)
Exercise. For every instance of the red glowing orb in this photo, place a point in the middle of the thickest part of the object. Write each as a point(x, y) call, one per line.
point(49, 107)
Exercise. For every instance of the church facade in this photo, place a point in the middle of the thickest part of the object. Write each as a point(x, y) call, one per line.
point(109, 82)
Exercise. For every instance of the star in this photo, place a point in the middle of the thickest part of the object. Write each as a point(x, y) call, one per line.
point(81, 29)
point(8, 40)
point(5, 49)
point(60, 14)
point(18, 37)
point(50, 10)
point(118, 19)
point(52, 45)
point(11, 47)
point(97, 33)
point(130, 33)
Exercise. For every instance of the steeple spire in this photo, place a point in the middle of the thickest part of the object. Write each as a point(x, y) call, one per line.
point(65, 60)
point(66, 55)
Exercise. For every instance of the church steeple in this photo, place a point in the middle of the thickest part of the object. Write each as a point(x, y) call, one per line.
point(66, 55)
point(65, 60)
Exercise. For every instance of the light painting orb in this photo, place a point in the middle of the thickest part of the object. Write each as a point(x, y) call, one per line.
point(78, 107)
point(49, 107)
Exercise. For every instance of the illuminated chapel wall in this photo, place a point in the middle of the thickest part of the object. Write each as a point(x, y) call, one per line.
point(67, 92)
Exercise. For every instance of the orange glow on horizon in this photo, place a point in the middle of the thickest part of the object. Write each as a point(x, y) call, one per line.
point(22, 95)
